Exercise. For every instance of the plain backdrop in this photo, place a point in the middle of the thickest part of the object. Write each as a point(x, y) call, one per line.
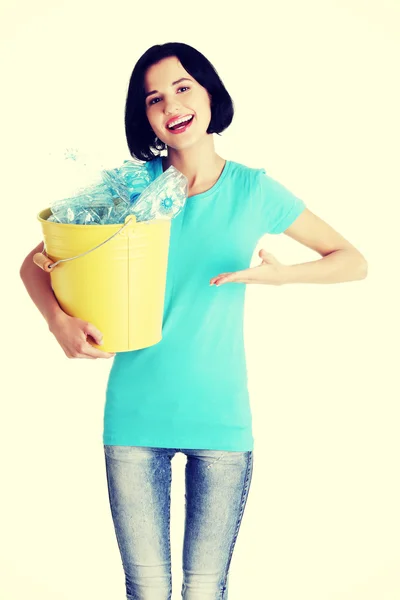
point(316, 92)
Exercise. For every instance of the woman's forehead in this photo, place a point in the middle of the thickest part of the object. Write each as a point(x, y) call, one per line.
point(164, 73)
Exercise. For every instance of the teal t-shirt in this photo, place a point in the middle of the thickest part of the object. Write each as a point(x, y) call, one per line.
point(190, 389)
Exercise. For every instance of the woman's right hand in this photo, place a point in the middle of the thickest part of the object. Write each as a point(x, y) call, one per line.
point(72, 333)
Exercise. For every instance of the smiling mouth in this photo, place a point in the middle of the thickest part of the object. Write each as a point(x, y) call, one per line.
point(181, 126)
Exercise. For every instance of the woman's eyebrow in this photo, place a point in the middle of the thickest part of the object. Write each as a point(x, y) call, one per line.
point(173, 83)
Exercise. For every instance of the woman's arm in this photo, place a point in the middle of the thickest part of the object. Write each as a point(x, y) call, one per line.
point(38, 286)
point(70, 332)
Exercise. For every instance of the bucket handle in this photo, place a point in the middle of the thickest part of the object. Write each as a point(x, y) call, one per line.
point(44, 262)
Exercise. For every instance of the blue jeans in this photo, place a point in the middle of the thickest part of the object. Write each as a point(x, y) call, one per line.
point(139, 485)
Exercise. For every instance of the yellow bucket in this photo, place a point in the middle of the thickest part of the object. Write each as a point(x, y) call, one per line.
point(116, 284)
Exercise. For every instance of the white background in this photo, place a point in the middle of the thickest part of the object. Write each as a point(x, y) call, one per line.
point(315, 87)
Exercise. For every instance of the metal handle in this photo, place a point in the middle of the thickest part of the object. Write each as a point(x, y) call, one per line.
point(46, 263)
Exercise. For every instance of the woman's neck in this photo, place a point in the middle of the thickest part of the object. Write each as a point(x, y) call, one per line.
point(200, 164)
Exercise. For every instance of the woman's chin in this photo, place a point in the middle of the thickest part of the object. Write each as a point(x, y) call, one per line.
point(184, 144)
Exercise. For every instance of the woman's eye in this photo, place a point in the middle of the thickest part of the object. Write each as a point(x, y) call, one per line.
point(152, 101)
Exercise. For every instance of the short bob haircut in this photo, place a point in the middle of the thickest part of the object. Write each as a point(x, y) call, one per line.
point(140, 136)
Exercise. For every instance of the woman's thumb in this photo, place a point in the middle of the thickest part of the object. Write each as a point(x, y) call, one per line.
point(267, 256)
point(95, 333)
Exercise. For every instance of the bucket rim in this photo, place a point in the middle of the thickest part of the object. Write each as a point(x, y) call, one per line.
point(93, 225)
point(47, 211)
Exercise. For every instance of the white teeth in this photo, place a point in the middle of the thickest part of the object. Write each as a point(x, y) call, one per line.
point(182, 120)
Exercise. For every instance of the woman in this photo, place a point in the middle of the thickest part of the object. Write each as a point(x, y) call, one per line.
point(188, 393)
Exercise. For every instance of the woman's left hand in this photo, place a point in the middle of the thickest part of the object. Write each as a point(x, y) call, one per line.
point(269, 271)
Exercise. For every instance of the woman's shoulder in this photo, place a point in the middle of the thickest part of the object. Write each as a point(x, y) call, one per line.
point(245, 172)
point(242, 168)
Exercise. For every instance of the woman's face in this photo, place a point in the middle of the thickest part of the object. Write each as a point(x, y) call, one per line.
point(172, 99)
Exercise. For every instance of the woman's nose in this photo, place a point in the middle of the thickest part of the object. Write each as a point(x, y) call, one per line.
point(171, 107)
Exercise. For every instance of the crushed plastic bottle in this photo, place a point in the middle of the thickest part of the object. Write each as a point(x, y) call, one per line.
point(129, 189)
point(164, 198)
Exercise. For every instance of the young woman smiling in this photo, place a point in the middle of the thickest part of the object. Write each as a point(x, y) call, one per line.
point(188, 393)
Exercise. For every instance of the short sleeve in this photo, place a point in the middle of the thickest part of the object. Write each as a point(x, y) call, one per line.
point(279, 207)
